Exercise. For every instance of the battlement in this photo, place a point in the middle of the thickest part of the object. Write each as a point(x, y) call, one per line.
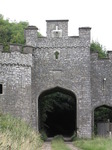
point(110, 54)
point(17, 48)
point(57, 31)
point(94, 56)
point(16, 55)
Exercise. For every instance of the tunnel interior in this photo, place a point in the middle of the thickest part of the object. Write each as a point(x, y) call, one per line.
point(57, 112)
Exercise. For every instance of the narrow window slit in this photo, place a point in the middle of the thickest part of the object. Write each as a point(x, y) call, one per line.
point(104, 83)
point(1, 89)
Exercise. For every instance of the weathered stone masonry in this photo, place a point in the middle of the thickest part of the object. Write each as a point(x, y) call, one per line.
point(28, 73)
point(15, 76)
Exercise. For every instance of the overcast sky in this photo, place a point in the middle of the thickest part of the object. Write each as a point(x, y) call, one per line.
point(96, 14)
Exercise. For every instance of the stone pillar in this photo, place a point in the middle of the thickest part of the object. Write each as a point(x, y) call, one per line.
point(31, 36)
point(85, 35)
point(110, 54)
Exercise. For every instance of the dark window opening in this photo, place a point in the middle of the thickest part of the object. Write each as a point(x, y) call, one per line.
point(1, 90)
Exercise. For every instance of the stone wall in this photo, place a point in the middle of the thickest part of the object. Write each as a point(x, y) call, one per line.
point(64, 62)
point(101, 80)
point(70, 71)
point(15, 77)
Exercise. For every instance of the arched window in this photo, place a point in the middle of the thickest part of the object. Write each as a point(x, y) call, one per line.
point(1, 89)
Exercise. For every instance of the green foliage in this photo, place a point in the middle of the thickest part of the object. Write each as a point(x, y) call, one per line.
point(97, 47)
point(16, 134)
point(58, 143)
point(11, 32)
point(102, 114)
point(94, 144)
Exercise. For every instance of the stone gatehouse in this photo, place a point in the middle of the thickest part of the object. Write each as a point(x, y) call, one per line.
point(56, 62)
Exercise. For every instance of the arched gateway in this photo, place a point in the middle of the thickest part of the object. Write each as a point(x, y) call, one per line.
point(55, 65)
point(62, 61)
point(57, 110)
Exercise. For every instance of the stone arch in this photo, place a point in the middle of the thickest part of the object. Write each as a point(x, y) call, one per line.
point(63, 91)
point(96, 107)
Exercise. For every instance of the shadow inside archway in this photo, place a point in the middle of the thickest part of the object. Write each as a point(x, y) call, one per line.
point(57, 112)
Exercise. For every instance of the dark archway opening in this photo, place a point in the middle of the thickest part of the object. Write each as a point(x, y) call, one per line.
point(102, 120)
point(57, 112)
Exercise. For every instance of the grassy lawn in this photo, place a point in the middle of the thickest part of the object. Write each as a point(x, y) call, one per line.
point(17, 135)
point(58, 144)
point(95, 144)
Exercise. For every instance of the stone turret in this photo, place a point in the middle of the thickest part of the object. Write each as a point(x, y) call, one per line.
point(16, 55)
point(31, 35)
point(15, 79)
point(85, 35)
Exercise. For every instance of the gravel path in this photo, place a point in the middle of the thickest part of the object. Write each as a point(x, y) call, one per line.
point(70, 144)
point(46, 146)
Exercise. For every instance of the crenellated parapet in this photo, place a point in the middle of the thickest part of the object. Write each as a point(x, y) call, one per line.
point(83, 40)
point(110, 54)
point(94, 56)
point(16, 55)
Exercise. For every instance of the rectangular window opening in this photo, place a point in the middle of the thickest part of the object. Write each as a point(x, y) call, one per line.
point(1, 89)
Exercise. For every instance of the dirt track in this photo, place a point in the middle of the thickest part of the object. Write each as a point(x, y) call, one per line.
point(47, 146)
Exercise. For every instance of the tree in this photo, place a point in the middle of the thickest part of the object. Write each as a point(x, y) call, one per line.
point(11, 32)
point(97, 47)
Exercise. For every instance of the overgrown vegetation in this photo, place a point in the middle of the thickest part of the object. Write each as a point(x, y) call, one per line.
point(97, 47)
point(12, 32)
point(94, 144)
point(58, 144)
point(17, 135)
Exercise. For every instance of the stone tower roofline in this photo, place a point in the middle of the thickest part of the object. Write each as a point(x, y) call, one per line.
point(94, 56)
point(24, 49)
point(62, 20)
point(31, 27)
point(17, 55)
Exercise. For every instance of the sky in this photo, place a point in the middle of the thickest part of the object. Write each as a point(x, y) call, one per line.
point(96, 14)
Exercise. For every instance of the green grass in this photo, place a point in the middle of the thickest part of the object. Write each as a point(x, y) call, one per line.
point(94, 144)
point(17, 135)
point(58, 144)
